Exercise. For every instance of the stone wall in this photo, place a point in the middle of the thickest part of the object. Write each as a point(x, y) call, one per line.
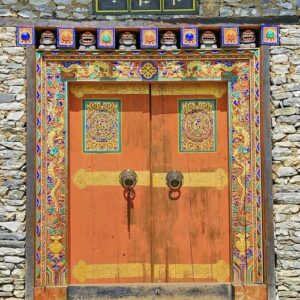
point(285, 96)
point(12, 165)
point(83, 9)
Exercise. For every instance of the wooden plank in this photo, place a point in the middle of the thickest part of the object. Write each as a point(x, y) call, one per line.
point(160, 23)
point(30, 176)
point(151, 291)
point(267, 176)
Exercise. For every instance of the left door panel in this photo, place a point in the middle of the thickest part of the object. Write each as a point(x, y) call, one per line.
point(109, 131)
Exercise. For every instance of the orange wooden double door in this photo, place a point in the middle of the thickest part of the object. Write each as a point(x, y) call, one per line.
point(158, 234)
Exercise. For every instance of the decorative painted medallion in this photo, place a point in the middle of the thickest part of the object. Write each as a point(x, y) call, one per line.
point(66, 38)
point(102, 126)
point(25, 36)
point(149, 37)
point(148, 70)
point(230, 36)
point(106, 38)
point(189, 37)
point(269, 34)
point(197, 125)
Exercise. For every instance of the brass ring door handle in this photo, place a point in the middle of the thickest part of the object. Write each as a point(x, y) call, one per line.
point(128, 179)
point(174, 180)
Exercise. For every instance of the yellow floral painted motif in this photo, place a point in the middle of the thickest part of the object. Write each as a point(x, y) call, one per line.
point(197, 125)
point(102, 126)
point(56, 246)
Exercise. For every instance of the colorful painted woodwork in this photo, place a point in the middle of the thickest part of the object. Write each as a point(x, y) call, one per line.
point(106, 38)
point(102, 126)
point(270, 35)
point(189, 37)
point(148, 70)
point(168, 41)
point(208, 40)
point(25, 36)
point(66, 37)
point(47, 41)
point(127, 41)
point(248, 39)
point(197, 125)
point(87, 41)
point(240, 68)
point(87, 181)
point(230, 36)
point(149, 37)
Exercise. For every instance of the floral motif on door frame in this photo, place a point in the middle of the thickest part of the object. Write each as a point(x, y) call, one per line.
point(240, 68)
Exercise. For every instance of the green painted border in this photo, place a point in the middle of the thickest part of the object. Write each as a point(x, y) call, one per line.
point(214, 102)
point(118, 101)
point(146, 11)
point(98, 11)
point(193, 9)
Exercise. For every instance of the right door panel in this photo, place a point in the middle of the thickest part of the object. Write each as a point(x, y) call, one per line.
point(191, 226)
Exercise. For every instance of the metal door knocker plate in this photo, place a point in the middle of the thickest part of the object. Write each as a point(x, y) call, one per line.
point(128, 179)
point(174, 181)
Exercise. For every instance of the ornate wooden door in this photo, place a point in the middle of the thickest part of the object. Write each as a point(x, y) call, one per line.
point(190, 225)
point(109, 132)
point(164, 234)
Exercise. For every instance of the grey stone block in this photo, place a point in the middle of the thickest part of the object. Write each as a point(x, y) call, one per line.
point(5, 98)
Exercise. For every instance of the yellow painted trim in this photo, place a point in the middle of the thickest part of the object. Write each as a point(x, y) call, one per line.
point(189, 89)
point(82, 178)
point(214, 179)
point(80, 90)
point(218, 271)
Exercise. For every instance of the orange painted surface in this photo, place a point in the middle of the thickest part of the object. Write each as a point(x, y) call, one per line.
point(170, 240)
point(250, 292)
point(98, 214)
point(195, 228)
point(55, 293)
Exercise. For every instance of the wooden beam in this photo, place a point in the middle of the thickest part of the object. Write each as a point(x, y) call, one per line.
point(161, 22)
point(267, 175)
point(30, 167)
point(175, 291)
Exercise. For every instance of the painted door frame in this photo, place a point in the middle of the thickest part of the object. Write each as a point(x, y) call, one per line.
point(181, 56)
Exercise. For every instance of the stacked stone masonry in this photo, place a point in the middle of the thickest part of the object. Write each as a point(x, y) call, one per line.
point(285, 98)
point(12, 166)
point(83, 9)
